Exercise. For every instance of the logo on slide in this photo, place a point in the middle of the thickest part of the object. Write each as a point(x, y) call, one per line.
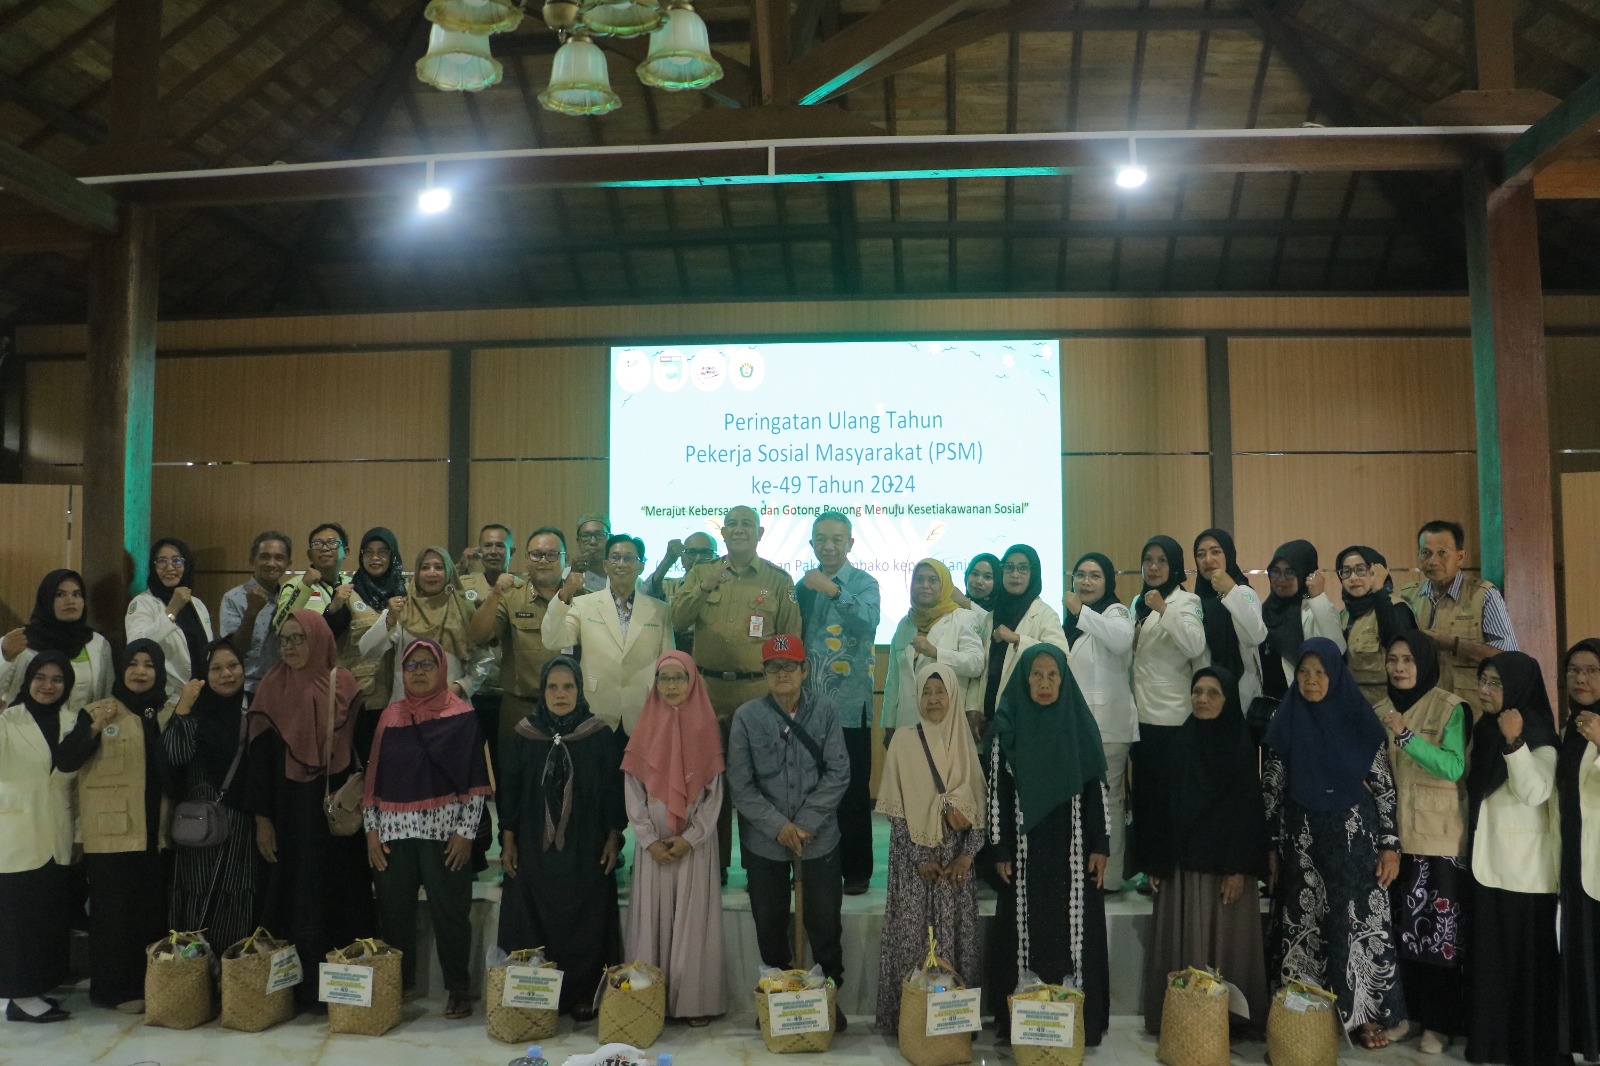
point(669, 370)
point(745, 369)
point(633, 371)
point(707, 369)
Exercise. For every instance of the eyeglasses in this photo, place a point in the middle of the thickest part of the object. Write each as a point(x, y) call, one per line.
point(622, 558)
point(375, 553)
point(1588, 673)
point(1359, 570)
point(326, 545)
point(1083, 575)
point(289, 640)
point(1017, 568)
point(1282, 573)
point(422, 667)
point(170, 562)
point(781, 666)
point(544, 557)
point(699, 551)
point(598, 534)
point(672, 679)
point(1493, 683)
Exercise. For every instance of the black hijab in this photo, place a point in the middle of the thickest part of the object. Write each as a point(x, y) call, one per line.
point(217, 721)
point(1221, 637)
point(987, 603)
point(1008, 611)
point(1175, 572)
point(1328, 746)
point(1569, 765)
point(1522, 690)
point(1281, 614)
point(1218, 820)
point(556, 780)
point(376, 592)
point(45, 632)
point(149, 702)
point(1392, 617)
point(47, 716)
point(1107, 598)
point(1426, 654)
point(188, 619)
point(147, 705)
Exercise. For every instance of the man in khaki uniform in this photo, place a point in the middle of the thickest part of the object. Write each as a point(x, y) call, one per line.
point(733, 605)
point(478, 570)
point(1465, 616)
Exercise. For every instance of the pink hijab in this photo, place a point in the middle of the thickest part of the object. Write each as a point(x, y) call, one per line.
point(295, 704)
point(676, 752)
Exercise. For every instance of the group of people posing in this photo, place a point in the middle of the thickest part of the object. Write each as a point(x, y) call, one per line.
point(1392, 771)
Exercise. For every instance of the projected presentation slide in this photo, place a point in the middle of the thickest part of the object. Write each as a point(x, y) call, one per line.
point(932, 448)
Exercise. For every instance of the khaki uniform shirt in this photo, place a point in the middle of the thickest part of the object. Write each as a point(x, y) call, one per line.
point(520, 645)
point(731, 623)
point(475, 587)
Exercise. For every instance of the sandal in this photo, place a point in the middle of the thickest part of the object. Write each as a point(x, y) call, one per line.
point(1371, 1036)
point(458, 1006)
point(700, 1022)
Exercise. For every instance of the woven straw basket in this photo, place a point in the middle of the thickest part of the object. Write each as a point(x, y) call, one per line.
point(384, 1014)
point(1030, 1055)
point(177, 992)
point(1194, 1025)
point(794, 1043)
point(246, 966)
point(916, 1047)
point(516, 1025)
point(634, 1016)
point(1303, 1038)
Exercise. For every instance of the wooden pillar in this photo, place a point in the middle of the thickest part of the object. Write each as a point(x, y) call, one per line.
point(1511, 387)
point(459, 480)
point(1219, 419)
point(120, 409)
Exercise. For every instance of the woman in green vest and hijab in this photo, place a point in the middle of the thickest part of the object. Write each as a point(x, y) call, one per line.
point(1047, 819)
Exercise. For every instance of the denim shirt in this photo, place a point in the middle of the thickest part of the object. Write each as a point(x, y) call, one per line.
point(773, 779)
point(261, 653)
point(839, 633)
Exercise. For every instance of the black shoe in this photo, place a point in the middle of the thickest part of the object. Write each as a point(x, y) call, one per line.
point(856, 888)
point(840, 1022)
point(15, 1013)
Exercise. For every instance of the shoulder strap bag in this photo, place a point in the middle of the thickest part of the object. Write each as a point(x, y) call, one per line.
point(202, 823)
point(343, 807)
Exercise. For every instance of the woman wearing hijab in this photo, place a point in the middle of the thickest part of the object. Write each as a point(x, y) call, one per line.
point(1371, 617)
point(1514, 1005)
point(427, 785)
point(1578, 795)
point(562, 814)
point(672, 782)
point(168, 613)
point(434, 608)
point(1019, 620)
point(1428, 752)
point(1230, 609)
point(122, 817)
point(1331, 810)
point(1207, 908)
point(214, 888)
point(58, 624)
point(315, 892)
point(42, 743)
point(379, 578)
point(932, 792)
point(981, 578)
point(1169, 646)
point(1297, 609)
point(1047, 824)
point(936, 629)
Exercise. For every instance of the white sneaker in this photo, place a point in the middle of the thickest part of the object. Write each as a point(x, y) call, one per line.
point(1433, 1043)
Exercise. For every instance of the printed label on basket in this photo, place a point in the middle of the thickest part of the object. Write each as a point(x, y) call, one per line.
point(538, 987)
point(790, 1013)
point(956, 1011)
point(1296, 1002)
point(283, 970)
point(1040, 1024)
point(350, 986)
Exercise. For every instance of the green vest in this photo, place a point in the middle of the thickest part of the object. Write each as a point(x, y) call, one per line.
point(1433, 812)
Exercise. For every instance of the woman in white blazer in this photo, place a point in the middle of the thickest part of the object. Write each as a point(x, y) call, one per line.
point(168, 613)
point(1231, 610)
point(1020, 620)
point(1514, 1003)
point(1100, 630)
point(1297, 610)
point(935, 630)
point(1578, 799)
point(58, 624)
point(622, 631)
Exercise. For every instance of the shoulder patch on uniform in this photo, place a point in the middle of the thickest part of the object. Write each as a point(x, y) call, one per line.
point(472, 594)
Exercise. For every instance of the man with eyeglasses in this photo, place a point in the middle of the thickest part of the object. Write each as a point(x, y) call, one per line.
point(694, 549)
point(1372, 616)
point(787, 771)
point(246, 615)
point(510, 617)
point(1465, 616)
point(323, 587)
point(593, 529)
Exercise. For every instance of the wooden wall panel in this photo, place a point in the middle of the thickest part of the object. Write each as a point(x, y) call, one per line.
point(366, 405)
point(1580, 516)
point(1351, 394)
point(531, 493)
point(1133, 395)
point(1114, 503)
point(53, 426)
point(36, 527)
point(1574, 384)
point(536, 403)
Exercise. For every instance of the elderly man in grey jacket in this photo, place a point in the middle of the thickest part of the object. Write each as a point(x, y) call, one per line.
point(787, 772)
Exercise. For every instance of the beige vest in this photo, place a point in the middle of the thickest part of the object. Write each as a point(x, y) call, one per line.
point(1364, 656)
point(1433, 811)
point(1456, 618)
point(111, 788)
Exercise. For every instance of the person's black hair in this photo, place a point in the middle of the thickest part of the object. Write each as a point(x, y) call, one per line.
point(510, 536)
point(344, 538)
point(548, 531)
point(270, 534)
point(1444, 525)
point(623, 538)
point(832, 516)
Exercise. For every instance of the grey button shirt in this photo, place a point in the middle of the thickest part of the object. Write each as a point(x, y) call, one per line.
point(262, 653)
point(773, 777)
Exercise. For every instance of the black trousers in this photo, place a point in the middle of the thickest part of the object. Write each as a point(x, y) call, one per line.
point(770, 881)
point(855, 809)
point(417, 864)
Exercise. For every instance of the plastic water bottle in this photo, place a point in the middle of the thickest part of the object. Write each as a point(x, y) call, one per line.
point(534, 1057)
point(663, 1060)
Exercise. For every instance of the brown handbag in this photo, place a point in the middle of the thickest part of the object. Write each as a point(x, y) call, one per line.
point(343, 807)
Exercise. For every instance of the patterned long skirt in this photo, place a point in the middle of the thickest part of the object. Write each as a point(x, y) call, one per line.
point(1430, 904)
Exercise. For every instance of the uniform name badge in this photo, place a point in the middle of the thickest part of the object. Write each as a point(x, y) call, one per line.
point(758, 626)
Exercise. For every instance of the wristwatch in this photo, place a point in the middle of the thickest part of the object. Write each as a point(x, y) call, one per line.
point(1513, 746)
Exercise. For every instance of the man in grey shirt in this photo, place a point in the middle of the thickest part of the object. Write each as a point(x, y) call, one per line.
point(787, 771)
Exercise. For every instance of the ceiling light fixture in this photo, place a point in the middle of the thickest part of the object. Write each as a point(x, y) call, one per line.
point(433, 198)
point(1131, 175)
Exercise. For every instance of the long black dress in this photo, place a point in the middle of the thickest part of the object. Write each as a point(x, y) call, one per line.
point(1577, 778)
point(561, 898)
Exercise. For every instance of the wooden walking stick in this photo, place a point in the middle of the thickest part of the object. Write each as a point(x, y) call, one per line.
point(799, 962)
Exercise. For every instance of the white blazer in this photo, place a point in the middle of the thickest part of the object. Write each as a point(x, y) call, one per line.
point(1167, 650)
point(92, 675)
point(1317, 619)
point(1040, 625)
point(1517, 845)
point(1244, 606)
point(617, 671)
point(147, 620)
point(36, 800)
point(1101, 662)
point(955, 638)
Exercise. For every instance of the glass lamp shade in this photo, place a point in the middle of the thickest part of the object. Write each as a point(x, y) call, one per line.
point(579, 83)
point(474, 16)
point(621, 18)
point(680, 54)
point(458, 62)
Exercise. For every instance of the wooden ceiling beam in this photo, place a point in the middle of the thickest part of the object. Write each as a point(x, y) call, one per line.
point(1357, 57)
point(770, 50)
point(32, 233)
point(1491, 36)
point(850, 53)
point(57, 192)
point(1572, 125)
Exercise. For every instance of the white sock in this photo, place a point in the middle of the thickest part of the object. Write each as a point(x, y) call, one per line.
point(33, 1005)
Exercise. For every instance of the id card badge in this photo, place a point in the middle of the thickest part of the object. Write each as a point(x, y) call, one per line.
point(758, 626)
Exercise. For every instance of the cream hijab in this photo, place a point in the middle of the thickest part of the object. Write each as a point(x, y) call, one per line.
point(907, 789)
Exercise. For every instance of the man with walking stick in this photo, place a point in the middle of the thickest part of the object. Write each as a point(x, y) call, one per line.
point(787, 772)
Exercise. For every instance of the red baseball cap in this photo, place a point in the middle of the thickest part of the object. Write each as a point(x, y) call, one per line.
point(783, 646)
